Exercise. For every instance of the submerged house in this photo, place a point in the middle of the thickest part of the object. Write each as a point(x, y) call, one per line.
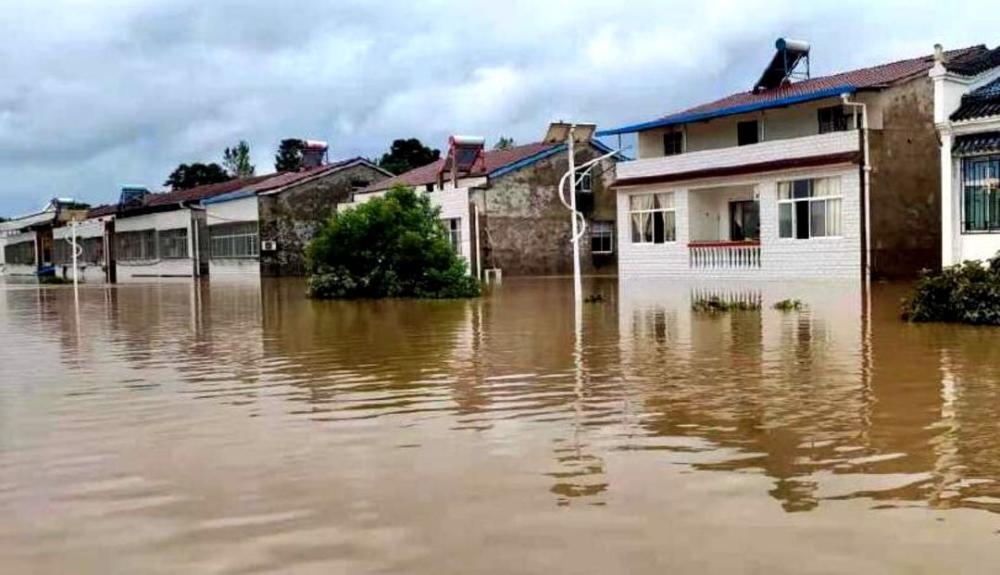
point(94, 236)
point(967, 114)
point(800, 176)
point(502, 209)
point(28, 242)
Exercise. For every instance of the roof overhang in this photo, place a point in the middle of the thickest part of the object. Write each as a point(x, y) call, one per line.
point(853, 157)
point(732, 110)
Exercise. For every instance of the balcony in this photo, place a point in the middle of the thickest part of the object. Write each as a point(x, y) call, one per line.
point(722, 255)
point(821, 149)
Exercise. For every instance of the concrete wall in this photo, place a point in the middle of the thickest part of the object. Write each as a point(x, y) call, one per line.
point(905, 182)
point(145, 270)
point(291, 217)
point(233, 211)
point(527, 230)
point(781, 258)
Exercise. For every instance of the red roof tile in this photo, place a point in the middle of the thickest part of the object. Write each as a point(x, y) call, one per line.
point(494, 159)
point(874, 77)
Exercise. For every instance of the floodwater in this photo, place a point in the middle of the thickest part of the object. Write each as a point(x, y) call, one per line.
point(242, 428)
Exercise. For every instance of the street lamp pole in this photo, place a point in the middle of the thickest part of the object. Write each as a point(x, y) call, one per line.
point(577, 281)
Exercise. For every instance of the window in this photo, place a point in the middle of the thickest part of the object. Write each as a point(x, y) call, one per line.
point(92, 251)
point(584, 184)
point(602, 237)
point(981, 194)
point(809, 208)
point(832, 119)
point(22, 253)
point(747, 133)
point(652, 217)
point(234, 240)
point(454, 226)
point(135, 246)
point(673, 143)
point(174, 244)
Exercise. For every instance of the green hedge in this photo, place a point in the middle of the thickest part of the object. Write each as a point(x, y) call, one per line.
point(965, 293)
point(393, 246)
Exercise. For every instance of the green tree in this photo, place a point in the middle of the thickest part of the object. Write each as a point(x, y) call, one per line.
point(289, 156)
point(393, 246)
point(504, 143)
point(237, 160)
point(405, 155)
point(187, 176)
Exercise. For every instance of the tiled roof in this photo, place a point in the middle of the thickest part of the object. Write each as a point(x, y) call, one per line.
point(974, 61)
point(100, 211)
point(494, 159)
point(976, 143)
point(199, 193)
point(825, 86)
point(980, 103)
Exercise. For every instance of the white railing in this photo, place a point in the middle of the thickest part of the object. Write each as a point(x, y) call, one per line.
point(724, 255)
point(763, 153)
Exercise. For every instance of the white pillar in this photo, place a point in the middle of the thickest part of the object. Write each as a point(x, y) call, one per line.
point(948, 219)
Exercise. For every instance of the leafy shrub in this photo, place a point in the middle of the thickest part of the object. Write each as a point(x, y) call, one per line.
point(789, 305)
point(715, 304)
point(964, 293)
point(393, 246)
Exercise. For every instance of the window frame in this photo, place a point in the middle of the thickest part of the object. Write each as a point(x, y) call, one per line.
point(583, 181)
point(166, 240)
point(989, 188)
point(20, 253)
point(453, 227)
point(837, 122)
point(757, 136)
point(809, 201)
point(673, 150)
point(144, 239)
point(244, 234)
point(652, 212)
point(606, 233)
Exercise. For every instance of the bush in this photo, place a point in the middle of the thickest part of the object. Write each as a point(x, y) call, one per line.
point(715, 304)
point(789, 305)
point(964, 293)
point(393, 246)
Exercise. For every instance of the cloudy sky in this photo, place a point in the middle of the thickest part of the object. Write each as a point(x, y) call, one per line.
point(99, 93)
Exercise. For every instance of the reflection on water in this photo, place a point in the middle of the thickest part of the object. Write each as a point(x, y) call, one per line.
point(243, 428)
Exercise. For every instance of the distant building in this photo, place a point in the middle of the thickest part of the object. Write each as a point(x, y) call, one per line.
point(967, 114)
point(504, 213)
point(782, 180)
point(28, 242)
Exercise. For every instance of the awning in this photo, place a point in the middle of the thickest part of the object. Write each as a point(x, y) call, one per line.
point(981, 143)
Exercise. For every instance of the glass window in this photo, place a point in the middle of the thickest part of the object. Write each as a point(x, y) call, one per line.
point(832, 119)
point(135, 246)
point(454, 226)
point(602, 237)
point(652, 218)
point(981, 194)
point(809, 208)
point(234, 240)
point(583, 182)
point(173, 243)
point(673, 143)
point(22, 253)
point(747, 133)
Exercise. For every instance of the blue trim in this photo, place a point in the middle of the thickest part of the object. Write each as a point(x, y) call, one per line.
point(731, 111)
point(229, 196)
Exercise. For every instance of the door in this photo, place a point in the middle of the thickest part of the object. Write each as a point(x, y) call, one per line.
point(744, 220)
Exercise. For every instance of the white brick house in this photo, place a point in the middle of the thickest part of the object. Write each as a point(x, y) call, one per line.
point(823, 177)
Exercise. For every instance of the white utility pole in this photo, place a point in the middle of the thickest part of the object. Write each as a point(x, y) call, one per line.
point(577, 281)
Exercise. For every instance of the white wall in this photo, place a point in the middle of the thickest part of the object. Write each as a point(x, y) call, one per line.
point(239, 210)
point(144, 271)
point(87, 272)
point(838, 257)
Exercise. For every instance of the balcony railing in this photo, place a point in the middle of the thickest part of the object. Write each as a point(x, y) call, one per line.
point(762, 154)
point(743, 255)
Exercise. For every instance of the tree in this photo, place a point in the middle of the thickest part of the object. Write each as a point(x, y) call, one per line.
point(237, 160)
point(289, 156)
point(504, 143)
point(187, 176)
point(404, 155)
point(393, 246)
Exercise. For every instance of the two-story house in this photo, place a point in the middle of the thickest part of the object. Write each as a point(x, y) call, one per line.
point(799, 177)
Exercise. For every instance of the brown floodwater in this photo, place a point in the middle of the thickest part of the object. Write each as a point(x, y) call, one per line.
point(241, 428)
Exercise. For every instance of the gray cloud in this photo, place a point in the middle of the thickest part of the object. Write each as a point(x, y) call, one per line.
point(96, 94)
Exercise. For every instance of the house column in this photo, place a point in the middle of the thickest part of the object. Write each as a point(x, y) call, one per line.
point(947, 202)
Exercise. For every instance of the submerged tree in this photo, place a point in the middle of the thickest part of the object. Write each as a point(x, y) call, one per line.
point(237, 160)
point(405, 155)
point(289, 156)
point(187, 176)
point(393, 246)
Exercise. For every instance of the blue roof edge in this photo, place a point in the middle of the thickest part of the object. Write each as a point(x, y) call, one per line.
point(229, 196)
point(524, 162)
point(730, 111)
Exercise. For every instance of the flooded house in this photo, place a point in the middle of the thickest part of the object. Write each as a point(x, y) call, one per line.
point(800, 176)
point(502, 209)
point(967, 114)
point(28, 242)
point(93, 235)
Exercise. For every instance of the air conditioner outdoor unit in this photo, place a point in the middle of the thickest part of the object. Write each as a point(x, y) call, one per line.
point(268, 246)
